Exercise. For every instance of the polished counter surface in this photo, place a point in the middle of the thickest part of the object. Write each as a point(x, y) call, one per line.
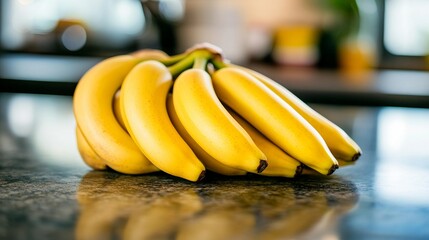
point(48, 193)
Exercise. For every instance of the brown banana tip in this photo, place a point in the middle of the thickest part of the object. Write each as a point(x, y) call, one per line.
point(202, 176)
point(356, 156)
point(332, 169)
point(299, 170)
point(262, 165)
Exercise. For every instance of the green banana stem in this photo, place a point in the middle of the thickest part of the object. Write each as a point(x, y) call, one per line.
point(195, 59)
point(200, 63)
point(218, 63)
point(174, 59)
point(201, 58)
point(181, 66)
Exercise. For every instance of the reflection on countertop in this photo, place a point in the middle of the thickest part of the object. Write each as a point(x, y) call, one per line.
point(48, 193)
point(157, 207)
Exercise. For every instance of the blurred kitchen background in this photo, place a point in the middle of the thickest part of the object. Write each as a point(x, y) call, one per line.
point(57, 40)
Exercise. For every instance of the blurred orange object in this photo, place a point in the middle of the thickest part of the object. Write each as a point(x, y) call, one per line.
point(356, 56)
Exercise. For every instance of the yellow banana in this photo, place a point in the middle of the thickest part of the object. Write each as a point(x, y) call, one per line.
point(210, 124)
point(274, 118)
point(211, 163)
point(143, 102)
point(92, 105)
point(279, 162)
point(340, 144)
point(87, 153)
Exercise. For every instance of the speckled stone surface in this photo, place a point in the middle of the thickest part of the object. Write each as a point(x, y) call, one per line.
point(51, 203)
point(48, 193)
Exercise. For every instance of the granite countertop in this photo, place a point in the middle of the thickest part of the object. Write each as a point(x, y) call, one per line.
point(48, 193)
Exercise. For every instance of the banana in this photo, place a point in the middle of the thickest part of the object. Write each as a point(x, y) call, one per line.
point(211, 163)
point(209, 123)
point(143, 102)
point(277, 120)
point(92, 106)
point(341, 145)
point(279, 162)
point(87, 153)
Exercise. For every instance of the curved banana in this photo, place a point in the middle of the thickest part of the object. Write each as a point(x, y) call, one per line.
point(92, 105)
point(279, 162)
point(143, 102)
point(278, 121)
point(210, 124)
point(211, 163)
point(340, 144)
point(87, 153)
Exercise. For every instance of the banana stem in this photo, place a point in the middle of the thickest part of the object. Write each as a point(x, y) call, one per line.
point(218, 63)
point(200, 63)
point(196, 59)
point(201, 59)
point(181, 66)
point(174, 59)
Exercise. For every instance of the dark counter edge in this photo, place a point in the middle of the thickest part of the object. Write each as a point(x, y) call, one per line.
point(37, 87)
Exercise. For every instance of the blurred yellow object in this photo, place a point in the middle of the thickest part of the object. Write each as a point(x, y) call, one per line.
point(296, 36)
point(296, 45)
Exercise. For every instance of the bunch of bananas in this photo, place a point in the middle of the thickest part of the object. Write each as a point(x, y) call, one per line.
point(183, 114)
